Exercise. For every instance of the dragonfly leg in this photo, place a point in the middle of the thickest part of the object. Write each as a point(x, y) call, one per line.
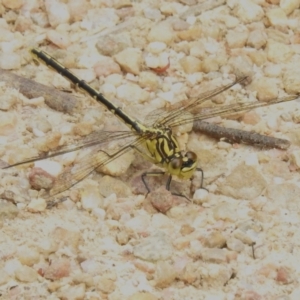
point(160, 173)
point(202, 179)
point(154, 173)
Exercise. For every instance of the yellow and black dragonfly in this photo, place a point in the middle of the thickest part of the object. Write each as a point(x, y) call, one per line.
point(154, 141)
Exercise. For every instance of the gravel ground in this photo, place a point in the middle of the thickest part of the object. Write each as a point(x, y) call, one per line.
point(237, 240)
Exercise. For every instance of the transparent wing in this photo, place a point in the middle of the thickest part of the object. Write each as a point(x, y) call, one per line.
point(176, 111)
point(224, 110)
point(88, 163)
point(96, 138)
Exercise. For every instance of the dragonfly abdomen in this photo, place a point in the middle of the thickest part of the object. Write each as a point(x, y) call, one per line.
point(54, 64)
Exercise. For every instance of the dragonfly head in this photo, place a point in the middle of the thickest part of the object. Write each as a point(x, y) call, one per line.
point(183, 166)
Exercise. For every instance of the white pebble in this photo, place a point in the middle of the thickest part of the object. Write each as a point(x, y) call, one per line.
point(161, 32)
point(91, 198)
point(132, 93)
point(156, 47)
point(130, 60)
point(249, 11)
point(58, 39)
point(10, 61)
point(26, 274)
point(289, 5)
point(278, 52)
point(52, 167)
point(58, 12)
point(277, 17)
point(37, 205)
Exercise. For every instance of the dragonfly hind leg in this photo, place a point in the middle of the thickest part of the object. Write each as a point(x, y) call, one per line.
point(168, 183)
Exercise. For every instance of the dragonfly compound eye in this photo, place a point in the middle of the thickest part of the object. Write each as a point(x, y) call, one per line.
point(191, 156)
point(176, 163)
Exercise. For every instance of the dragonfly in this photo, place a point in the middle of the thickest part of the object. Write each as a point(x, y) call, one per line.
point(154, 140)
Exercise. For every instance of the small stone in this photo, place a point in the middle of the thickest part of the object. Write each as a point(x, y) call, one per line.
point(215, 240)
point(37, 205)
point(161, 199)
point(210, 64)
point(49, 142)
point(8, 123)
point(4, 277)
point(244, 182)
point(122, 3)
point(58, 12)
point(106, 67)
point(243, 237)
point(77, 291)
point(154, 248)
point(197, 50)
point(50, 167)
point(258, 57)
point(130, 60)
point(7, 101)
point(65, 237)
point(28, 256)
point(164, 274)
point(83, 128)
point(289, 5)
point(156, 47)
point(132, 93)
point(186, 229)
point(241, 65)
point(13, 4)
point(295, 159)
point(192, 34)
point(266, 89)
point(6, 36)
point(224, 211)
point(40, 179)
point(248, 11)
point(59, 39)
point(152, 14)
point(179, 25)
point(277, 17)
point(236, 39)
point(8, 211)
point(214, 255)
point(77, 9)
point(58, 268)
point(191, 64)
point(142, 296)
point(291, 79)
point(10, 61)
point(122, 238)
point(161, 32)
point(26, 274)
point(200, 196)
point(235, 244)
point(105, 284)
point(284, 276)
point(148, 80)
point(257, 39)
point(91, 198)
point(272, 70)
point(110, 45)
point(278, 52)
point(109, 185)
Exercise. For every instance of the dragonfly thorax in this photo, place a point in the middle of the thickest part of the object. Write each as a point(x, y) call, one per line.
point(164, 150)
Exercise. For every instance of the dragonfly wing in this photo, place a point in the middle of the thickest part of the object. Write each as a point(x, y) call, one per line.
point(175, 111)
point(225, 110)
point(88, 163)
point(95, 138)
